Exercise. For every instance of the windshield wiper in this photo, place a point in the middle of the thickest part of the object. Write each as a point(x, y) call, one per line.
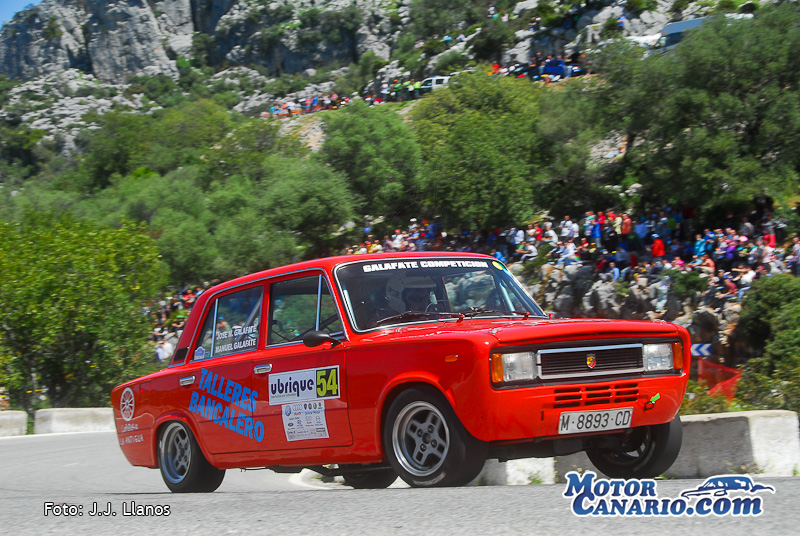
point(480, 311)
point(411, 315)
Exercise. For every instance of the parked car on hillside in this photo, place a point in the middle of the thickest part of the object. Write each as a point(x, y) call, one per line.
point(418, 365)
point(434, 82)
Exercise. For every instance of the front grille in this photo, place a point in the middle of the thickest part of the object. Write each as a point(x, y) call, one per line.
point(595, 395)
point(589, 361)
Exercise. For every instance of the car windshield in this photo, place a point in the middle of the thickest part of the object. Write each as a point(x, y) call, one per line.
point(381, 293)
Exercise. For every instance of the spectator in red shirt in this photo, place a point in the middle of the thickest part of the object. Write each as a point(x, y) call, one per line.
point(658, 247)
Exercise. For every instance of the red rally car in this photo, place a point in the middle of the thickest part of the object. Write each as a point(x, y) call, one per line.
point(421, 365)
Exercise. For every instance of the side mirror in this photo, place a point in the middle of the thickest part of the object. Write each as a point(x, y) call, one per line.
point(313, 339)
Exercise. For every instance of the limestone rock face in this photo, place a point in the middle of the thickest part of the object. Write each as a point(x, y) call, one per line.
point(126, 40)
point(116, 39)
point(113, 40)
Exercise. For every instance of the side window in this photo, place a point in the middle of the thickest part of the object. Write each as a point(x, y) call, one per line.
point(300, 305)
point(231, 325)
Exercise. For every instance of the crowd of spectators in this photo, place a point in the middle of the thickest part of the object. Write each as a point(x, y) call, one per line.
point(316, 103)
point(169, 318)
point(622, 247)
point(540, 68)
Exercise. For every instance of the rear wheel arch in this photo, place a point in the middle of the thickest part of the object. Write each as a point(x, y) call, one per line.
point(167, 418)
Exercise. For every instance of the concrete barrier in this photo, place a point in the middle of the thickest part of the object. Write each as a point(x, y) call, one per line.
point(60, 420)
point(13, 423)
point(761, 442)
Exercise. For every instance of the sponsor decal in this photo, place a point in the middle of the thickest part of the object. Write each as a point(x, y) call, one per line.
point(236, 339)
point(650, 404)
point(225, 402)
point(724, 495)
point(127, 404)
point(305, 420)
point(302, 385)
point(406, 265)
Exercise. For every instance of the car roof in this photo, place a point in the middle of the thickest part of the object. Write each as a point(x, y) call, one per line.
point(329, 263)
point(326, 264)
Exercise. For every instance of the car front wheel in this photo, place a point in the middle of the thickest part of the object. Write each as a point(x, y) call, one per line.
point(426, 443)
point(647, 453)
point(182, 463)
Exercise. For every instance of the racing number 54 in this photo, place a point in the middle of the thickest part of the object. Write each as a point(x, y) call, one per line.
point(327, 382)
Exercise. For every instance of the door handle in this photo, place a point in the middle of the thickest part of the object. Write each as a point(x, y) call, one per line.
point(262, 369)
point(188, 380)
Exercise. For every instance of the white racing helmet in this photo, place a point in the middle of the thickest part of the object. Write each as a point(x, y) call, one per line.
point(397, 285)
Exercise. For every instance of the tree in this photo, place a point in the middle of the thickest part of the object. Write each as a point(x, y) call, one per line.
point(481, 148)
point(380, 157)
point(717, 116)
point(71, 303)
point(309, 198)
point(763, 303)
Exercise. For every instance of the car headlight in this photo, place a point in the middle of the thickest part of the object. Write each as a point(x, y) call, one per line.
point(658, 356)
point(513, 367)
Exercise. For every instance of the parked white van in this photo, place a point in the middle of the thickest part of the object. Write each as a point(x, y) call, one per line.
point(434, 82)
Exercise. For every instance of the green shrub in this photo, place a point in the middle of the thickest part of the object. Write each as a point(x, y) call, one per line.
point(530, 270)
point(640, 6)
point(336, 26)
point(610, 30)
point(310, 18)
point(202, 49)
point(489, 43)
point(686, 284)
point(52, 30)
point(432, 47)
point(679, 5)
point(727, 6)
point(452, 61)
point(699, 400)
point(762, 304)
point(281, 13)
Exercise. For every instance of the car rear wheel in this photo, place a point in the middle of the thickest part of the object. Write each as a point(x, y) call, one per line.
point(375, 479)
point(426, 443)
point(182, 463)
point(647, 453)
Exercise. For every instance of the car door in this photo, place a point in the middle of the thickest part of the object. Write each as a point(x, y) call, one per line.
point(302, 391)
point(217, 379)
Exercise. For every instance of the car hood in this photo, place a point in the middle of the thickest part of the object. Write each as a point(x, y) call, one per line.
point(508, 331)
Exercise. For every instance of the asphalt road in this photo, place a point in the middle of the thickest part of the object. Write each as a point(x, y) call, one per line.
point(82, 470)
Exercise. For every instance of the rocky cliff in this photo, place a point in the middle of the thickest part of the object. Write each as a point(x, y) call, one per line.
point(116, 39)
point(573, 292)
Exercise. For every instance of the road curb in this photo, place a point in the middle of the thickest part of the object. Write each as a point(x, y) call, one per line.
point(756, 442)
point(13, 423)
point(61, 420)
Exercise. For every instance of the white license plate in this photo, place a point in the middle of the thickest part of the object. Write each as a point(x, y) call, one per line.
point(576, 422)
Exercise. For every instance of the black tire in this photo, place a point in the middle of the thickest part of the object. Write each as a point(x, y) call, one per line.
point(426, 443)
point(183, 466)
point(648, 453)
point(375, 479)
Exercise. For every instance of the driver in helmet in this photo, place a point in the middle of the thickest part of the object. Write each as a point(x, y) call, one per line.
point(410, 293)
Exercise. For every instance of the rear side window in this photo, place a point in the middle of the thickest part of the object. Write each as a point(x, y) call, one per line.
point(301, 305)
point(232, 324)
